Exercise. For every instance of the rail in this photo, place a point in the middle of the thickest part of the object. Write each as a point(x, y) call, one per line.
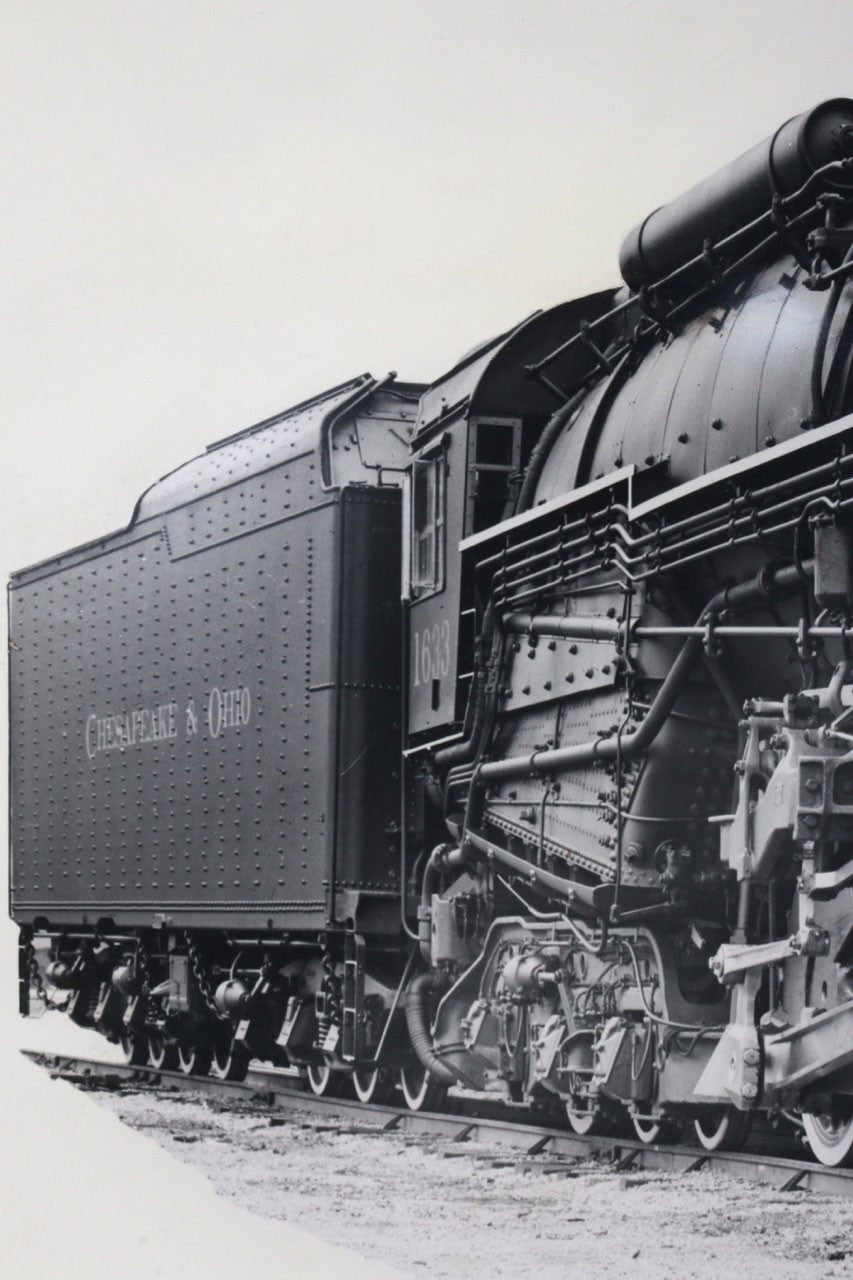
point(521, 1142)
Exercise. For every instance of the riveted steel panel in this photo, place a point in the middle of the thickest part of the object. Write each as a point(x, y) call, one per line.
point(178, 690)
point(369, 692)
point(283, 439)
point(169, 753)
point(726, 384)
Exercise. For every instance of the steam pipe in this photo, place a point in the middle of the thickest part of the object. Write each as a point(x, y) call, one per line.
point(582, 753)
point(575, 628)
point(605, 748)
point(442, 858)
point(475, 711)
point(570, 626)
point(578, 895)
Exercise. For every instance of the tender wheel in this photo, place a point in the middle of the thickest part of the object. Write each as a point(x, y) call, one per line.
point(195, 1059)
point(372, 1086)
point(580, 1121)
point(584, 1120)
point(324, 1081)
point(830, 1137)
point(420, 1091)
point(650, 1131)
point(134, 1049)
point(723, 1128)
point(230, 1061)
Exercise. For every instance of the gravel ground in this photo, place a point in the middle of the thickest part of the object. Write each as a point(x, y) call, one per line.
point(401, 1202)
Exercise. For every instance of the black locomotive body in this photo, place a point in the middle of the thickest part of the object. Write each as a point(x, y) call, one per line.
point(494, 734)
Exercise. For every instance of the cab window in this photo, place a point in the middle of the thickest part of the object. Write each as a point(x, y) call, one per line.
point(428, 524)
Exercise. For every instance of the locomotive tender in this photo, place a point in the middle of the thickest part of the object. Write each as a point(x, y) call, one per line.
point(496, 733)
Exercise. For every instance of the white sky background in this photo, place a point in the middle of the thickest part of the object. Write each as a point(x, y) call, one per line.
point(212, 210)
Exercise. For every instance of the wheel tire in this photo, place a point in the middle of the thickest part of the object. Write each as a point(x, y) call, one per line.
point(723, 1128)
point(134, 1049)
point(372, 1086)
point(830, 1139)
point(195, 1059)
point(420, 1091)
point(652, 1131)
point(580, 1122)
point(324, 1081)
point(229, 1061)
point(161, 1055)
point(589, 1123)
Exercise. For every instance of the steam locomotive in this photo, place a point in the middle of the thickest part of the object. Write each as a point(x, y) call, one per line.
point(497, 733)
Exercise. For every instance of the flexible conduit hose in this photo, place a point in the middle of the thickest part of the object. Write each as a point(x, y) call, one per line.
point(417, 1021)
point(817, 391)
point(551, 433)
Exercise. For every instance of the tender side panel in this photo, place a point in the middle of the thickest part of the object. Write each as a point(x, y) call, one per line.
point(170, 722)
point(368, 779)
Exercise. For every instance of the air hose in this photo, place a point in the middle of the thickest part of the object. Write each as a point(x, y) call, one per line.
point(417, 1021)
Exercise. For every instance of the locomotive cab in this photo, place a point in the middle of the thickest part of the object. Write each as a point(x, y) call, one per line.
point(474, 433)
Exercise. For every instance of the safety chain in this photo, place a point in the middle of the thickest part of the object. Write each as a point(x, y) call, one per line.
point(331, 989)
point(142, 970)
point(35, 975)
point(202, 981)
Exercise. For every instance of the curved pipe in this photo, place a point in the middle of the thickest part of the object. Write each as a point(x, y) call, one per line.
point(606, 748)
point(552, 430)
point(490, 638)
point(475, 711)
point(578, 895)
point(430, 883)
point(582, 753)
point(840, 676)
point(417, 1021)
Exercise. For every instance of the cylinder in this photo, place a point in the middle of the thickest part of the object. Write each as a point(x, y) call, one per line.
point(738, 193)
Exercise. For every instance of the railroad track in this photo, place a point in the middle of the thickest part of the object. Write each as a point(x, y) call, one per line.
point(522, 1142)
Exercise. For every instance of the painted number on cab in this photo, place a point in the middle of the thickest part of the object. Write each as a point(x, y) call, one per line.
point(432, 653)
